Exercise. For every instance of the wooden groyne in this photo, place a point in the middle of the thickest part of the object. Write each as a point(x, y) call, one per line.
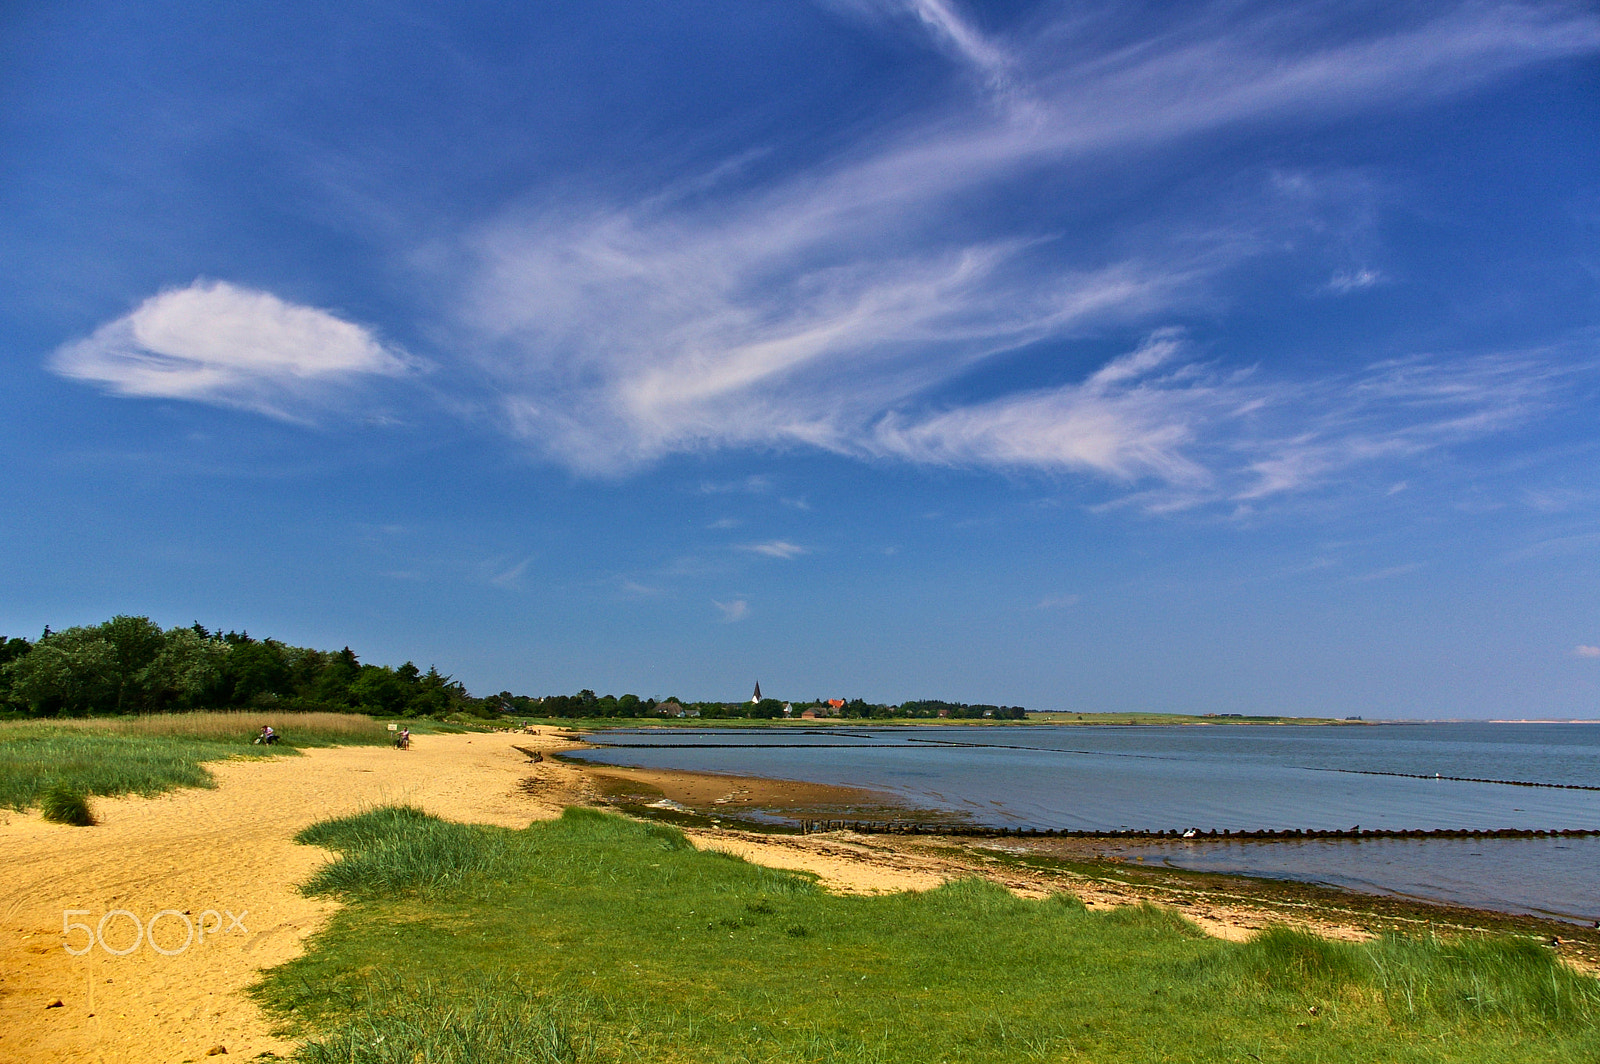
point(901, 827)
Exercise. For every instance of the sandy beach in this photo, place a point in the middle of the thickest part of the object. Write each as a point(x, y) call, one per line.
point(229, 850)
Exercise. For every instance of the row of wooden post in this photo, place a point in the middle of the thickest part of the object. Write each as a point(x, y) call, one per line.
point(901, 827)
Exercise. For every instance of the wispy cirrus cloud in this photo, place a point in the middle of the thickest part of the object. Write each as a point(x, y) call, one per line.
point(733, 610)
point(755, 484)
point(824, 310)
point(1056, 602)
point(1389, 572)
point(1347, 281)
point(506, 576)
point(946, 26)
point(1126, 421)
point(777, 548)
point(1248, 438)
point(220, 343)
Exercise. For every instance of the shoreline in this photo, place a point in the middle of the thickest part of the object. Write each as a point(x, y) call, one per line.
point(1103, 867)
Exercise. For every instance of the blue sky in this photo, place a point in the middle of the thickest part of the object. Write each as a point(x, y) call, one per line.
point(1225, 357)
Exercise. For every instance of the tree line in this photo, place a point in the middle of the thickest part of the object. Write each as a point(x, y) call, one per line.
point(132, 665)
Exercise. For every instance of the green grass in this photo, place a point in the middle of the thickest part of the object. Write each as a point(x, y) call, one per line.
point(148, 755)
point(63, 805)
point(595, 938)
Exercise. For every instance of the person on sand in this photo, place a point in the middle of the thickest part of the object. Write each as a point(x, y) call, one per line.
point(267, 736)
point(403, 740)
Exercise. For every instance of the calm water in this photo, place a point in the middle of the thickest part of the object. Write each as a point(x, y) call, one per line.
point(1234, 777)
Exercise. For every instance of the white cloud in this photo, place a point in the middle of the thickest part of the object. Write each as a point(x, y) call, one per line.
point(823, 310)
point(1056, 602)
point(945, 25)
point(778, 548)
point(1389, 573)
point(1401, 409)
point(953, 32)
point(508, 577)
point(1584, 651)
point(1348, 281)
point(219, 343)
point(751, 485)
point(733, 611)
point(1121, 423)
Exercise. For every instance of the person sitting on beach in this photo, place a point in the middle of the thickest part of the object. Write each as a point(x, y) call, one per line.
point(267, 736)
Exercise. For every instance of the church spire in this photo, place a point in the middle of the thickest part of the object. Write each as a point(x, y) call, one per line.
point(757, 696)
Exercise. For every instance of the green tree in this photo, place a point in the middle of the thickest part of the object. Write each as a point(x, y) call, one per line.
point(10, 650)
point(255, 672)
point(188, 673)
point(337, 677)
point(379, 690)
point(435, 694)
point(135, 644)
point(767, 709)
point(71, 673)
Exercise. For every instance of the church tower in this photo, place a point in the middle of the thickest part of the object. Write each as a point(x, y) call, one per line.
point(757, 696)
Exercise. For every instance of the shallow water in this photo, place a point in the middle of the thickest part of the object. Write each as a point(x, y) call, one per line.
point(1238, 777)
point(1543, 877)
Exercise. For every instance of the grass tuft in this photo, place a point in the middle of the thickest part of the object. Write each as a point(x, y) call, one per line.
point(1505, 978)
point(1293, 956)
point(1067, 900)
point(400, 849)
point(1148, 917)
point(63, 805)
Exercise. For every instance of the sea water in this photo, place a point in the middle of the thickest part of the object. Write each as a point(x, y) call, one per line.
point(1234, 777)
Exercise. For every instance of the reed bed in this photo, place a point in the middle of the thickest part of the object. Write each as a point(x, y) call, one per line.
point(234, 725)
point(150, 754)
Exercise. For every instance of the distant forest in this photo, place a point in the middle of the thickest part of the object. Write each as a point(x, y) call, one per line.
point(132, 665)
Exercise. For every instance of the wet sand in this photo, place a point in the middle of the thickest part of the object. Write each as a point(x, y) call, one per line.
point(713, 796)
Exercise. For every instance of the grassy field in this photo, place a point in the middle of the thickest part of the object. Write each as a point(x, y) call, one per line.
point(148, 755)
point(594, 938)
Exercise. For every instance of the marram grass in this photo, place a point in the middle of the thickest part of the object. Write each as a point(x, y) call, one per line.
point(596, 938)
point(63, 805)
